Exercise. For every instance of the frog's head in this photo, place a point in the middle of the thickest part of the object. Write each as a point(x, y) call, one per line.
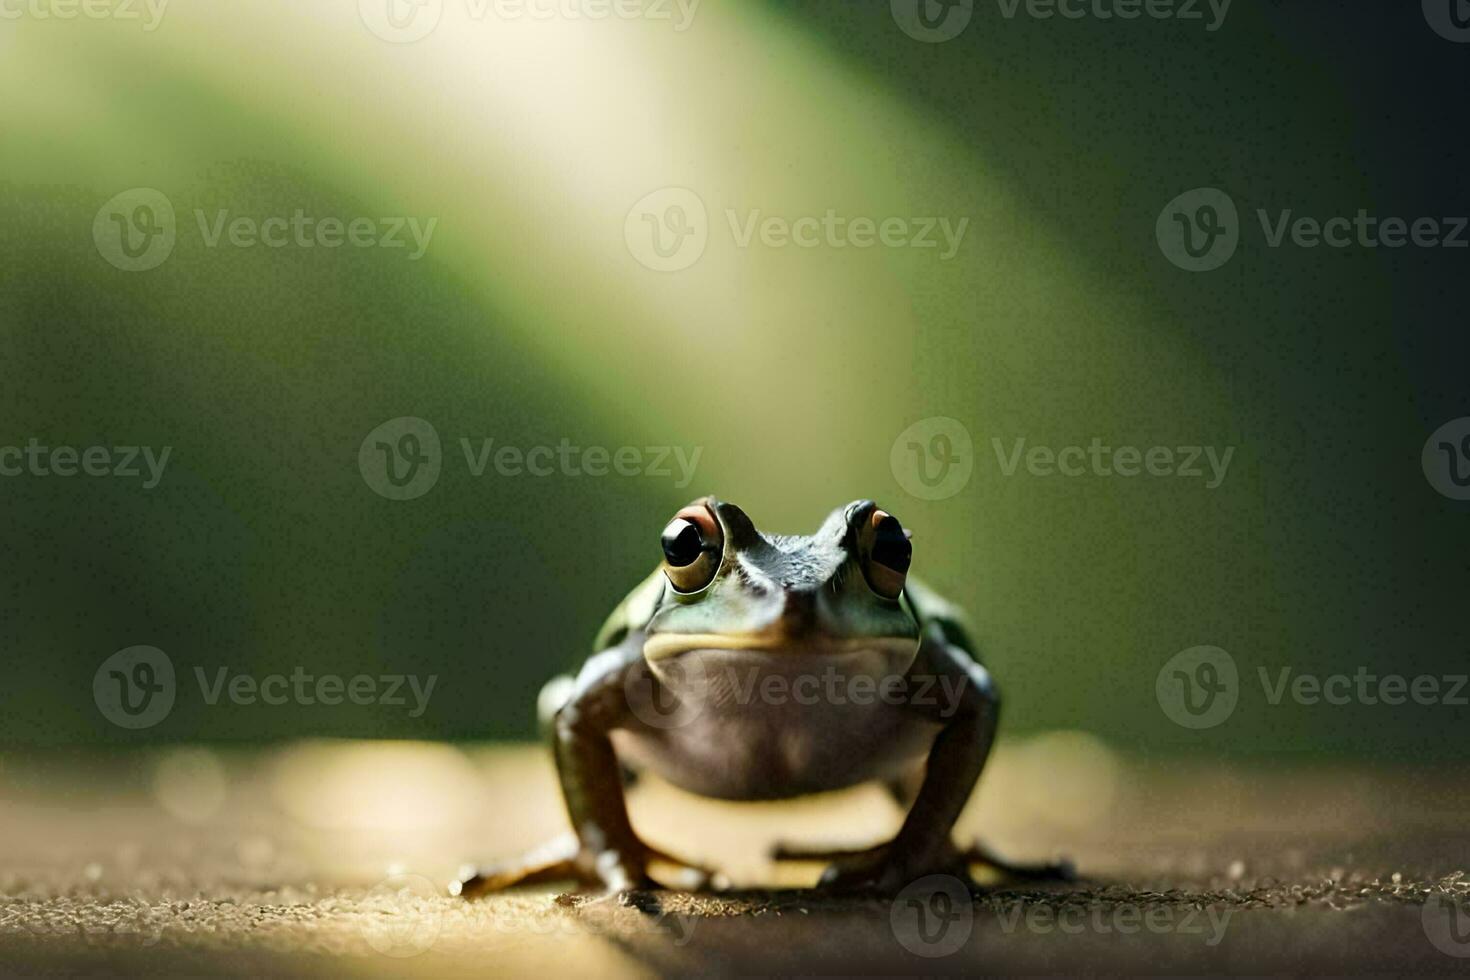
point(733, 588)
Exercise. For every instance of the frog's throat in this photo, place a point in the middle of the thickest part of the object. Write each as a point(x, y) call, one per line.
point(661, 646)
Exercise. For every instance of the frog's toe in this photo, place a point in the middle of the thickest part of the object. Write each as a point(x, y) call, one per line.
point(640, 894)
point(476, 882)
point(555, 860)
point(885, 878)
point(686, 875)
point(645, 899)
point(878, 870)
point(1062, 869)
point(603, 873)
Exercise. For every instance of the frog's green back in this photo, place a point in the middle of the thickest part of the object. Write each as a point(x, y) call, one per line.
point(633, 612)
point(932, 608)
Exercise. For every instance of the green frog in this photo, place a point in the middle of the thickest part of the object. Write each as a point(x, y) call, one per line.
point(754, 666)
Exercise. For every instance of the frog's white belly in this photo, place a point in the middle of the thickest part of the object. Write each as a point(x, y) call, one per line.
point(752, 725)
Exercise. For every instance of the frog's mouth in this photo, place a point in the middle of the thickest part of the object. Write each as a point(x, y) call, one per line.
point(662, 646)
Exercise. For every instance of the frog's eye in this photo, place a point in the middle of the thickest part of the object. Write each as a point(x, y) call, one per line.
point(887, 554)
point(692, 543)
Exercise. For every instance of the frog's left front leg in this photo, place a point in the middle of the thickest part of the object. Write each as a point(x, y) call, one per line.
point(946, 686)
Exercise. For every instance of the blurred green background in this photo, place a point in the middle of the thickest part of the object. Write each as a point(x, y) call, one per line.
point(792, 370)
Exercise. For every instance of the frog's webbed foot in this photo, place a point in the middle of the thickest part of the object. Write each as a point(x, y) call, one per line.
point(556, 860)
point(876, 869)
point(861, 869)
point(563, 859)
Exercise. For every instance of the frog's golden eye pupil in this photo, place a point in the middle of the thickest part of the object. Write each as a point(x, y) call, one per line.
point(891, 546)
point(681, 543)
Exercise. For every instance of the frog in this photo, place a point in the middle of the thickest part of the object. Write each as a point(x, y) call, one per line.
point(758, 666)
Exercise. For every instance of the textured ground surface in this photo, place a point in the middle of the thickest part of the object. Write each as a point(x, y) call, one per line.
point(328, 859)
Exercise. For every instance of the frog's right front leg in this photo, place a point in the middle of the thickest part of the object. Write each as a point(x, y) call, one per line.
point(603, 852)
point(609, 853)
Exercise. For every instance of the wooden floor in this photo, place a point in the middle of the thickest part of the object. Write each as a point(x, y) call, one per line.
point(330, 858)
